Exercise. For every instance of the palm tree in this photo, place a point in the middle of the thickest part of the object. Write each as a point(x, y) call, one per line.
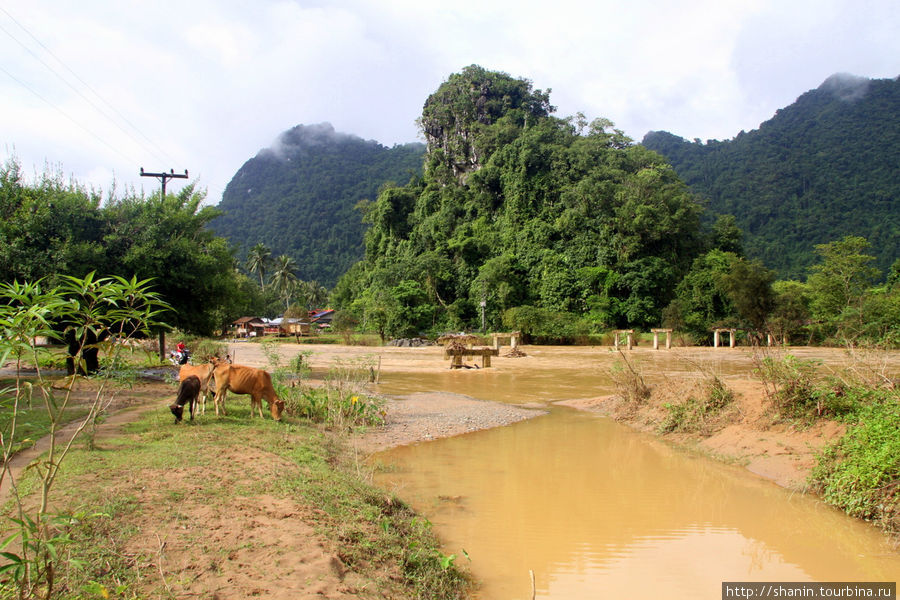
point(258, 259)
point(284, 280)
point(316, 295)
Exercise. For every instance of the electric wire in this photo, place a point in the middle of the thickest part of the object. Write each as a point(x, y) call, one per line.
point(67, 116)
point(157, 152)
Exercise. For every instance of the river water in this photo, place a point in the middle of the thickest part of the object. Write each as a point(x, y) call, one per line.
point(597, 510)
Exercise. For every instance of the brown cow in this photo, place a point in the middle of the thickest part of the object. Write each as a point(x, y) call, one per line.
point(205, 374)
point(247, 380)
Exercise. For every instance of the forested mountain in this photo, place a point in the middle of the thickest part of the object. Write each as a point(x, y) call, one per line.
point(523, 213)
point(820, 169)
point(298, 197)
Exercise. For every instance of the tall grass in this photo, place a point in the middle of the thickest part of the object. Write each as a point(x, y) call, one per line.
point(629, 381)
point(699, 406)
point(343, 401)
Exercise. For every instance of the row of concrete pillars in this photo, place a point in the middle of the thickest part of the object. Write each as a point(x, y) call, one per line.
point(629, 337)
point(717, 335)
point(770, 339)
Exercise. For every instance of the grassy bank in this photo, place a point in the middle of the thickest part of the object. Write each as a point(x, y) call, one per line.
point(169, 511)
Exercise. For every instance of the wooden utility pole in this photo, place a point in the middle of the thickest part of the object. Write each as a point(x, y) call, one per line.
point(163, 177)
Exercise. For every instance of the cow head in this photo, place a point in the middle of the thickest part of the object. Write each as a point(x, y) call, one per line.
point(277, 408)
point(178, 411)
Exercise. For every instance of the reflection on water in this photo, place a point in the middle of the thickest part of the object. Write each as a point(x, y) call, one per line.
point(598, 510)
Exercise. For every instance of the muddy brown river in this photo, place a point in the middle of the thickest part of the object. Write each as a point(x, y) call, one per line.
point(597, 510)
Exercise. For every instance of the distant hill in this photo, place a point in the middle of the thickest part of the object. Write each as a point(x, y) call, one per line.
point(298, 197)
point(824, 167)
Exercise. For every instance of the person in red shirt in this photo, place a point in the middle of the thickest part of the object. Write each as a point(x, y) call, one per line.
point(181, 353)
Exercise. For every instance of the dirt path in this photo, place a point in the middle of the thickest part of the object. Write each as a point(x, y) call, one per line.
point(126, 407)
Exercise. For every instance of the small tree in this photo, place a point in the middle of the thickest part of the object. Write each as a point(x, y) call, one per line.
point(92, 308)
point(838, 285)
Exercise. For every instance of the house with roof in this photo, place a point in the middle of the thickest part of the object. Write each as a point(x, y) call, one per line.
point(248, 327)
point(321, 318)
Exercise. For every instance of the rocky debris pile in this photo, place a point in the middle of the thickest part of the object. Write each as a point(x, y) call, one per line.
point(410, 342)
point(514, 353)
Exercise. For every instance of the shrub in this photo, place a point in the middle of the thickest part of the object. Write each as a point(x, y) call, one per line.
point(545, 325)
point(204, 349)
point(791, 385)
point(341, 402)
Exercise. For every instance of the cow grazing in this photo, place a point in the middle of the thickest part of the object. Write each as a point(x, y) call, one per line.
point(205, 374)
point(187, 392)
point(247, 380)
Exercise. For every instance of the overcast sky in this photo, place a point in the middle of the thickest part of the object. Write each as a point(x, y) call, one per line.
point(99, 89)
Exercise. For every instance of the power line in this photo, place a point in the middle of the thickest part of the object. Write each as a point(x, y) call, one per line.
point(82, 95)
point(66, 115)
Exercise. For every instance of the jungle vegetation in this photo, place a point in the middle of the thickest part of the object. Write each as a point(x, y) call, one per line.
point(52, 228)
point(561, 227)
point(557, 227)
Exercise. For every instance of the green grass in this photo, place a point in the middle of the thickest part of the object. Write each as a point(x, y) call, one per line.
point(377, 534)
point(31, 423)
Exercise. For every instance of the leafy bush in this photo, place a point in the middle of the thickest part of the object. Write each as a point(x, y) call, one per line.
point(545, 325)
point(341, 402)
point(860, 473)
point(327, 405)
point(791, 385)
point(838, 399)
point(203, 349)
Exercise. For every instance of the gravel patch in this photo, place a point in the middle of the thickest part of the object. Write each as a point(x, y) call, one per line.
point(432, 415)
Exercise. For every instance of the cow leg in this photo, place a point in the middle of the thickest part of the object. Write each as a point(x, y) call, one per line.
point(220, 399)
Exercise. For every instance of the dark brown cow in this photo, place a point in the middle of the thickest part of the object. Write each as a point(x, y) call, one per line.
point(247, 380)
point(187, 392)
